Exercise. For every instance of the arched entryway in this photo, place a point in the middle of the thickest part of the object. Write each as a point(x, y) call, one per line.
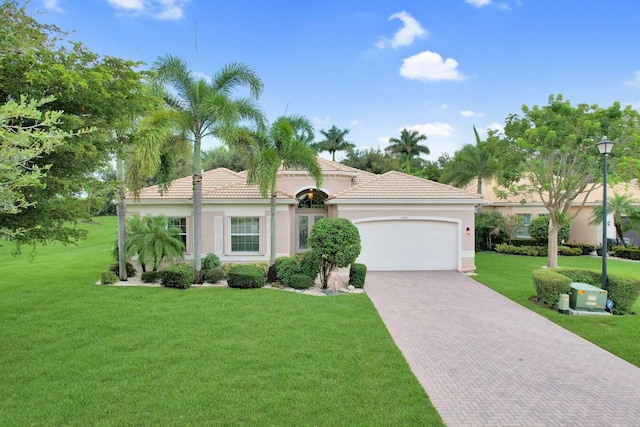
point(310, 209)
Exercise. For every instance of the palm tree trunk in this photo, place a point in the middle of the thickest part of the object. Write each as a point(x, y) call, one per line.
point(121, 211)
point(619, 233)
point(197, 209)
point(271, 276)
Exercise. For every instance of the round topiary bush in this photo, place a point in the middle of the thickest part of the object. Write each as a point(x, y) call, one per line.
point(150, 276)
point(213, 275)
point(246, 276)
point(336, 243)
point(177, 276)
point(210, 261)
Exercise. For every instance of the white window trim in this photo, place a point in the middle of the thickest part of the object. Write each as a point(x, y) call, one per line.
point(260, 234)
point(182, 233)
point(524, 236)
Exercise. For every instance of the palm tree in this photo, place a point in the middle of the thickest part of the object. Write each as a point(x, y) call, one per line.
point(408, 146)
point(333, 141)
point(286, 143)
point(206, 108)
point(620, 206)
point(153, 240)
point(471, 162)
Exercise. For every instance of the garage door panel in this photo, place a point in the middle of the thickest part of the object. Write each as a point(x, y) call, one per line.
point(408, 245)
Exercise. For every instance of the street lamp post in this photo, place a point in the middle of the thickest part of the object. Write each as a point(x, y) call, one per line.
point(604, 147)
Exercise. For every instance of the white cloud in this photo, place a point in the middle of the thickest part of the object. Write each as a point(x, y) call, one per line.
point(430, 66)
point(160, 9)
point(636, 80)
point(52, 5)
point(127, 4)
point(354, 122)
point(496, 126)
point(411, 30)
point(479, 3)
point(435, 129)
point(384, 140)
point(469, 113)
point(321, 120)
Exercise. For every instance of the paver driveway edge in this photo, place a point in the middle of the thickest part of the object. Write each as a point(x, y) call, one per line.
point(486, 360)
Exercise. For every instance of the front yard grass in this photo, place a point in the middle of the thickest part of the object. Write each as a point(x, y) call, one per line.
point(73, 353)
point(510, 275)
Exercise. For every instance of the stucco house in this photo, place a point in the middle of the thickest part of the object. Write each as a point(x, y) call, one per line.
point(405, 222)
point(529, 207)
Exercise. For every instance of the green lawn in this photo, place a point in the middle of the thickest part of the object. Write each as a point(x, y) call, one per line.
point(510, 275)
point(73, 353)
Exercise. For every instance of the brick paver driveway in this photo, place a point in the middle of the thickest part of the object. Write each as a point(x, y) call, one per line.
point(487, 361)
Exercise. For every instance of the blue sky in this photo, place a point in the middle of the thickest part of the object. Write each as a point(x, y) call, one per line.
point(375, 67)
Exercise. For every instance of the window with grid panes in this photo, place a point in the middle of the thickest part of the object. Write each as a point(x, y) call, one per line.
point(245, 234)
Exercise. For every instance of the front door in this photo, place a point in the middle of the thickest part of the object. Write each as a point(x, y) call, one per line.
point(304, 224)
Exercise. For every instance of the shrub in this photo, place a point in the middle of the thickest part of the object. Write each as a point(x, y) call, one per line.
point(357, 274)
point(549, 284)
point(539, 229)
point(306, 263)
point(131, 270)
point(210, 261)
point(264, 266)
point(286, 267)
point(586, 248)
point(109, 277)
point(336, 242)
point(150, 276)
point(567, 251)
point(246, 276)
point(622, 290)
point(214, 275)
point(179, 276)
point(300, 281)
point(627, 252)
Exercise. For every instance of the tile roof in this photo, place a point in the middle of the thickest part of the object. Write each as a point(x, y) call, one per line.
point(397, 185)
point(490, 191)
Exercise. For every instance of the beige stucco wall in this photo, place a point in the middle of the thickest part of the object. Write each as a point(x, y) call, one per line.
point(331, 184)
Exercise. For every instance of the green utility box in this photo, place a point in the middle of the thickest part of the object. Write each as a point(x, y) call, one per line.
point(584, 297)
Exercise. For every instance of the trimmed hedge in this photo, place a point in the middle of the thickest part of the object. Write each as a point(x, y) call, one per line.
point(131, 270)
point(357, 274)
point(586, 248)
point(245, 276)
point(109, 277)
point(300, 281)
point(213, 275)
point(263, 266)
point(150, 276)
point(549, 283)
point(626, 252)
point(535, 250)
point(179, 276)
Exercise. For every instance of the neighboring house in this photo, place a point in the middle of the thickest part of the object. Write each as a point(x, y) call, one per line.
point(405, 222)
point(529, 207)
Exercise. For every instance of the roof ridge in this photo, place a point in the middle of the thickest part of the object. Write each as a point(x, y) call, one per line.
point(357, 186)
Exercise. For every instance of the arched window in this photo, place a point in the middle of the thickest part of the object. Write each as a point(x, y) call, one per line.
point(311, 199)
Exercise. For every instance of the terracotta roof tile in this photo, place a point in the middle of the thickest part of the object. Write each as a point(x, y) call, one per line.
point(398, 185)
point(182, 188)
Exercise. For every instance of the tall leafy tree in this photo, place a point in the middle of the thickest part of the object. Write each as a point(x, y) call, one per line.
point(207, 109)
point(471, 162)
point(619, 205)
point(408, 146)
point(558, 160)
point(88, 91)
point(286, 143)
point(371, 160)
point(334, 140)
point(223, 157)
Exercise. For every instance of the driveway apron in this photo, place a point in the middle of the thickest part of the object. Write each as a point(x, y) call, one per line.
point(487, 361)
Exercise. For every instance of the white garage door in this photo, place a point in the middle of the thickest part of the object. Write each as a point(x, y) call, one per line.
point(396, 245)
